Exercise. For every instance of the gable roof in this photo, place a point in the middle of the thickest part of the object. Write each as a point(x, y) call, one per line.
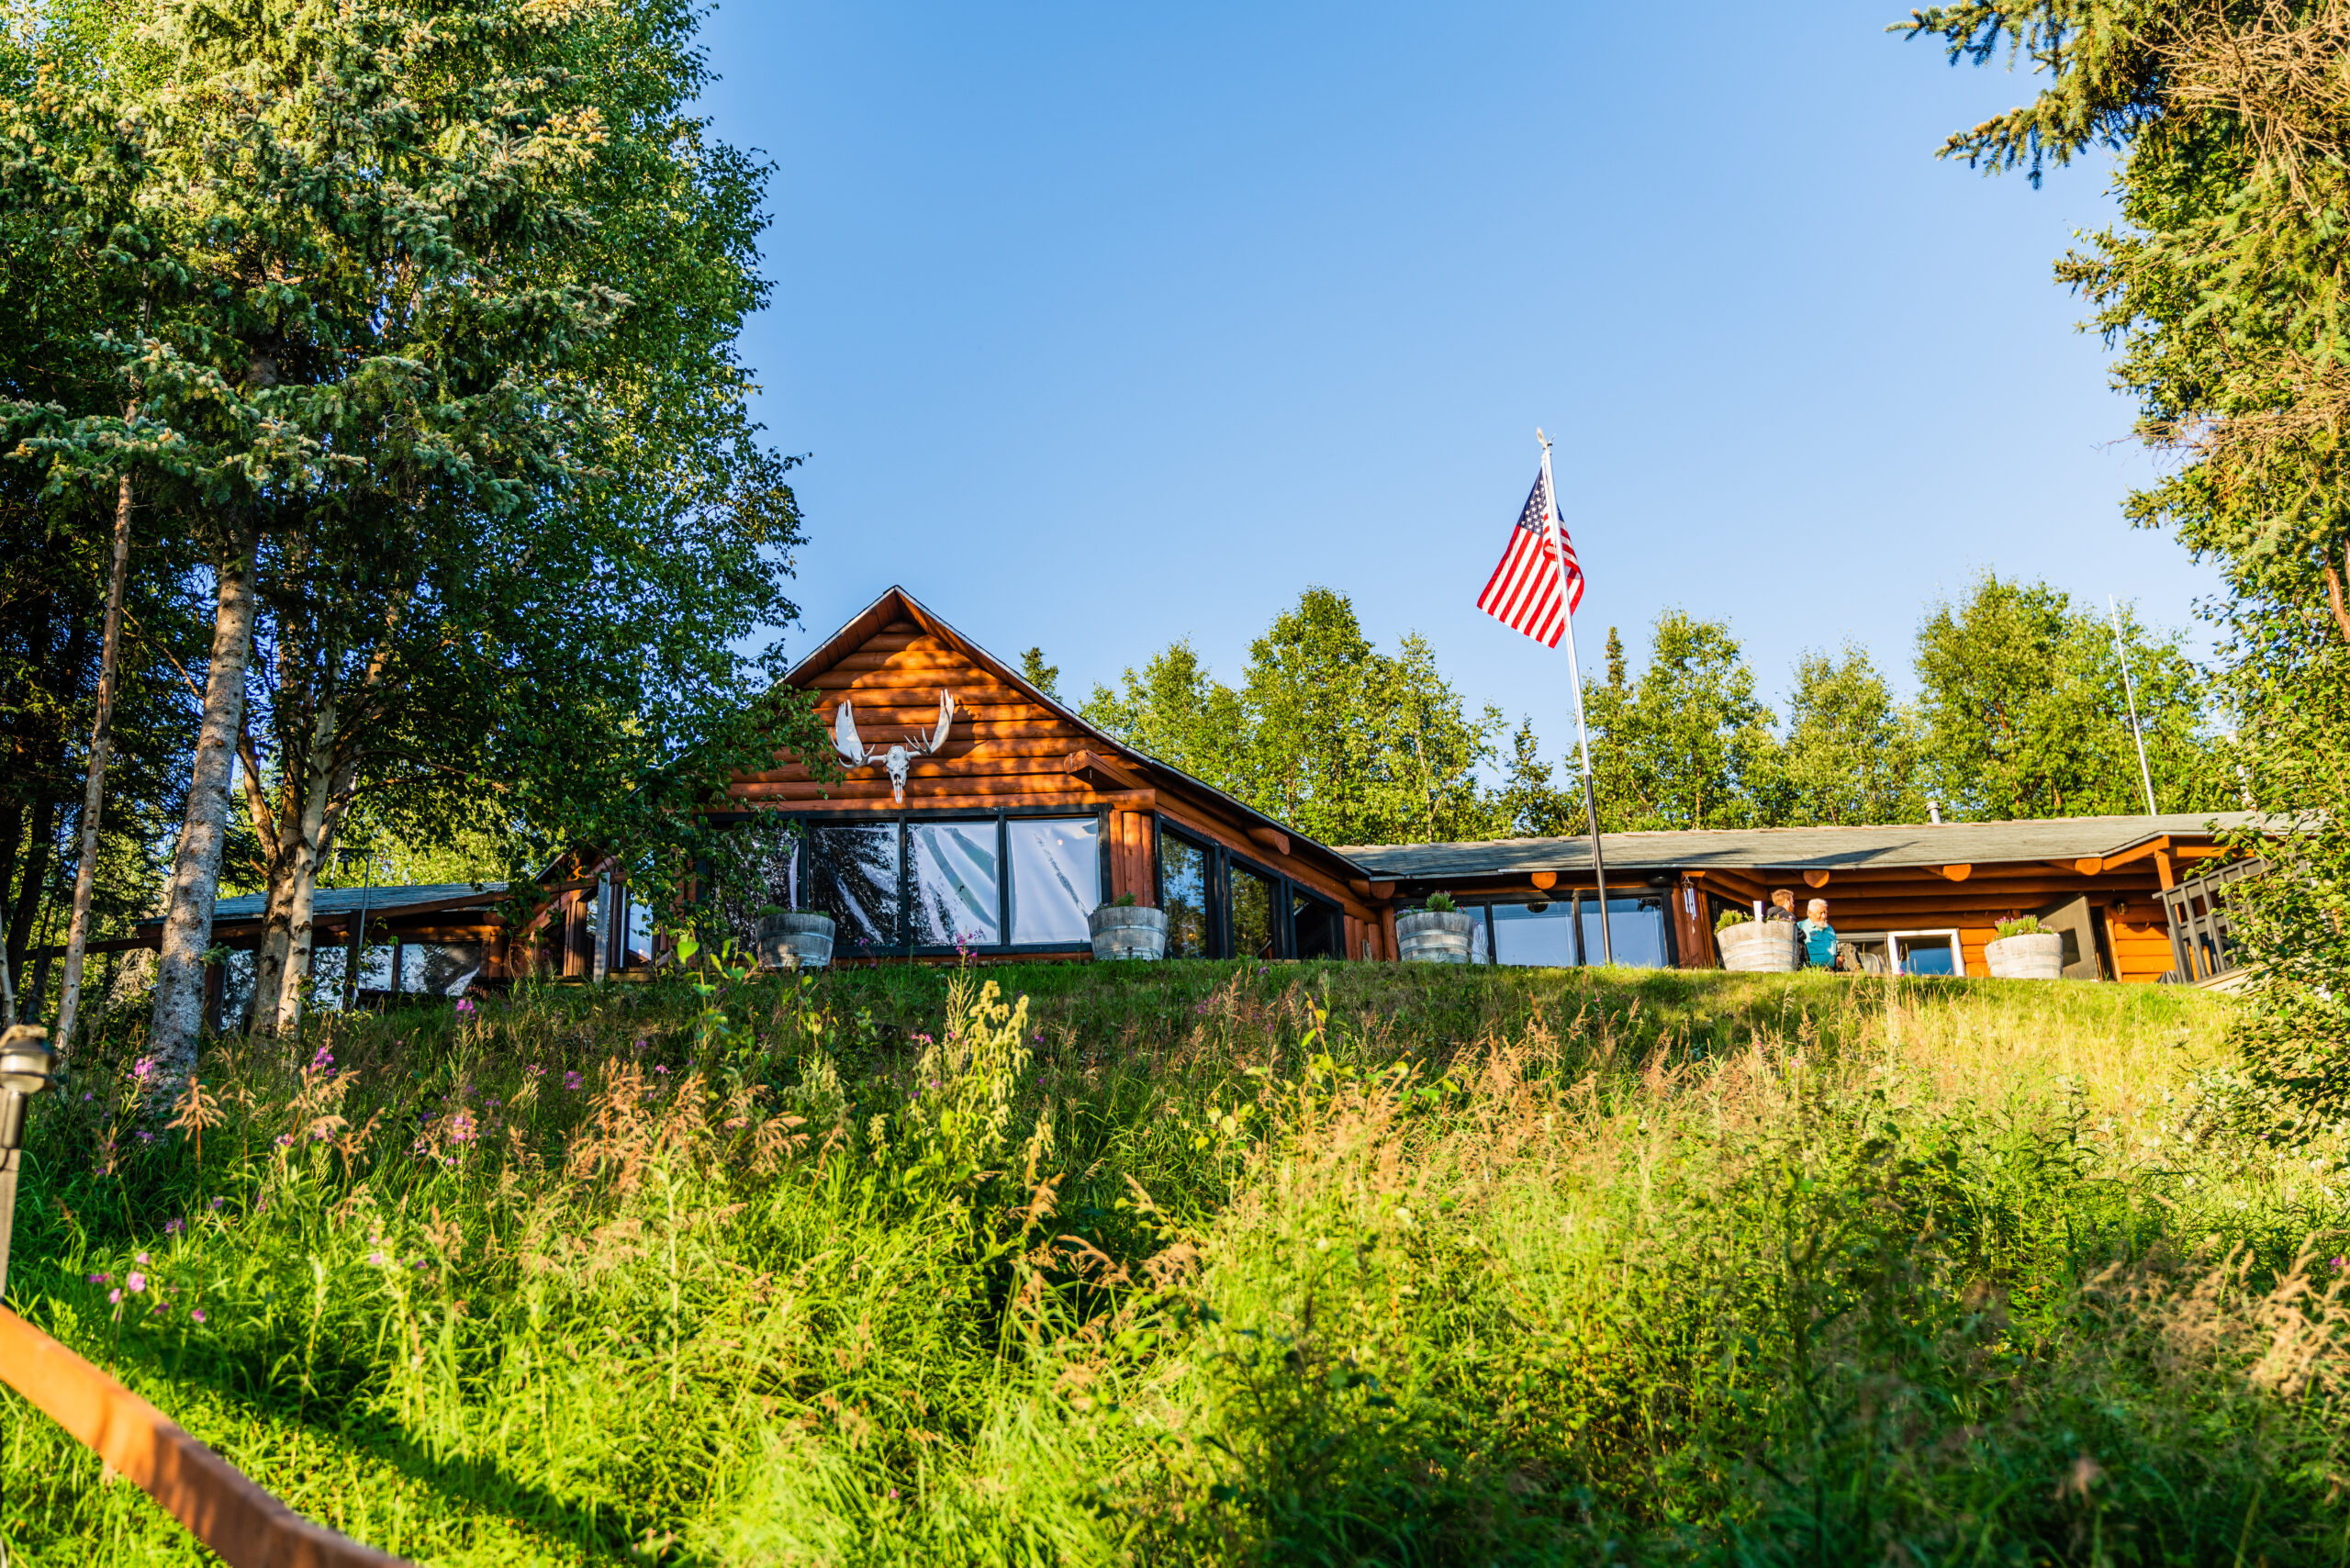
point(896, 604)
point(1890, 848)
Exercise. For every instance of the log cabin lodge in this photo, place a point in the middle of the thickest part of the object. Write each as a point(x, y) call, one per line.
point(1016, 818)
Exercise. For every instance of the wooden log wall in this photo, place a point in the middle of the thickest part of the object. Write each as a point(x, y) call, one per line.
point(1005, 749)
point(1002, 749)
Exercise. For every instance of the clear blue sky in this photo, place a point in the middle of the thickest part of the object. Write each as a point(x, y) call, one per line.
point(1104, 325)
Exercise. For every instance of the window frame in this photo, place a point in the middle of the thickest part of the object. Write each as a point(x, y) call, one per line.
point(1575, 898)
point(1895, 955)
point(1221, 859)
point(1001, 816)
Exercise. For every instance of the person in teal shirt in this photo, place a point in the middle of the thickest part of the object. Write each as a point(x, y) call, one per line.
point(1818, 937)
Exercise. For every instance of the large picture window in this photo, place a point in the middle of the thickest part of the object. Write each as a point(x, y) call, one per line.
point(1564, 932)
point(1056, 878)
point(956, 892)
point(999, 882)
point(855, 879)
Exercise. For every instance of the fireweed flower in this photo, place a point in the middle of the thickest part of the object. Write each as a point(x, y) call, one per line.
point(136, 1280)
point(195, 1314)
point(465, 1007)
point(173, 1226)
point(571, 1080)
point(115, 1295)
point(140, 1258)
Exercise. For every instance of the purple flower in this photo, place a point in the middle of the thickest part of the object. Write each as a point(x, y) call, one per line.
point(216, 1202)
point(571, 1080)
point(140, 1258)
point(663, 1068)
point(143, 1068)
point(173, 1226)
point(136, 1280)
point(465, 1007)
point(375, 1257)
point(115, 1295)
point(286, 1140)
point(196, 1314)
point(100, 1279)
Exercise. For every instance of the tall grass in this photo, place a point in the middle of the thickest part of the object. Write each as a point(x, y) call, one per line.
point(1212, 1263)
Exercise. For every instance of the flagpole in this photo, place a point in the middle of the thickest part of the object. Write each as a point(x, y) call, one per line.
point(1582, 729)
point(2122, 651)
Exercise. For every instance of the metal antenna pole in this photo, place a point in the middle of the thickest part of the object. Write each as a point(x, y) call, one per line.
point(2129, 696)
point(1583, 730)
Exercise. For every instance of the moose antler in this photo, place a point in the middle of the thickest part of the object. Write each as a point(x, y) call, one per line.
point(899, 758)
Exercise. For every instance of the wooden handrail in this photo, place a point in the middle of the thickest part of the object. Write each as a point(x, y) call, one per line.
point(221, 1507)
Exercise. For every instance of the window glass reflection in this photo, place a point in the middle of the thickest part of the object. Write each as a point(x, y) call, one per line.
point(1638, 925)
point(1184, 894)
point(1252, 914)
point(854, 879)
point(1535, 934)
point(1928, 955)
point(955, 884)
point(1056, 876)
point(1319, 926)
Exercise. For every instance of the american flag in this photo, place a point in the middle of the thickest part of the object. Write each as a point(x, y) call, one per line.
point(1524, 591)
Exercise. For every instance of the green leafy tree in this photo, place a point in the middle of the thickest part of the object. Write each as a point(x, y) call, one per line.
point(1349, 745)
point(1686, 745)
point(1045, 677)
point(2222, 287)
point(1851, 753)
point(1173, 709)
point(2024, 712)
point(437, 308)
point(1531, 804)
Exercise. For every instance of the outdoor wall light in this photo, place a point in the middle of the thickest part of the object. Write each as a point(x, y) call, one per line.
point(27, 1065)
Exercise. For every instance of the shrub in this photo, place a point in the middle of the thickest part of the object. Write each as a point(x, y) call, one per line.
point(2018, 925)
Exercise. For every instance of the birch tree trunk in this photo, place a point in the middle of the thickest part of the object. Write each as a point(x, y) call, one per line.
point(86, 874)
point(195, 864)
point(306, 846)
point(274, 830)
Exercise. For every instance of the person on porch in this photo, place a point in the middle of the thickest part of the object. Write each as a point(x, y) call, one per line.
point(1819, 936)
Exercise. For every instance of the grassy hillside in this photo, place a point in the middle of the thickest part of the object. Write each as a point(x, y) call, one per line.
point(1215, 1264)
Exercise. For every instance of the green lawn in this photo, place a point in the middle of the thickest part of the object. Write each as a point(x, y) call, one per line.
point(1206, 1262)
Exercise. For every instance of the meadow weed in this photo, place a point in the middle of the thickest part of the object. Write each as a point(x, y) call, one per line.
point(1212, 1263)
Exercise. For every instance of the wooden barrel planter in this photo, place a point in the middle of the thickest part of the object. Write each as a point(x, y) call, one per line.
point(1759, 947)
point(798, 940)
point(1432, 936)
point(1128, 931)
point(2038, 954)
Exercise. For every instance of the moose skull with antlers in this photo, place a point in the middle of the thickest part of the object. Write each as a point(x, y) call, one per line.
point(899, 758)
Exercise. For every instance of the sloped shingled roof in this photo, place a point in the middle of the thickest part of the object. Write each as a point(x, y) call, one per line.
point(1793, 849)
point(380, 899)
